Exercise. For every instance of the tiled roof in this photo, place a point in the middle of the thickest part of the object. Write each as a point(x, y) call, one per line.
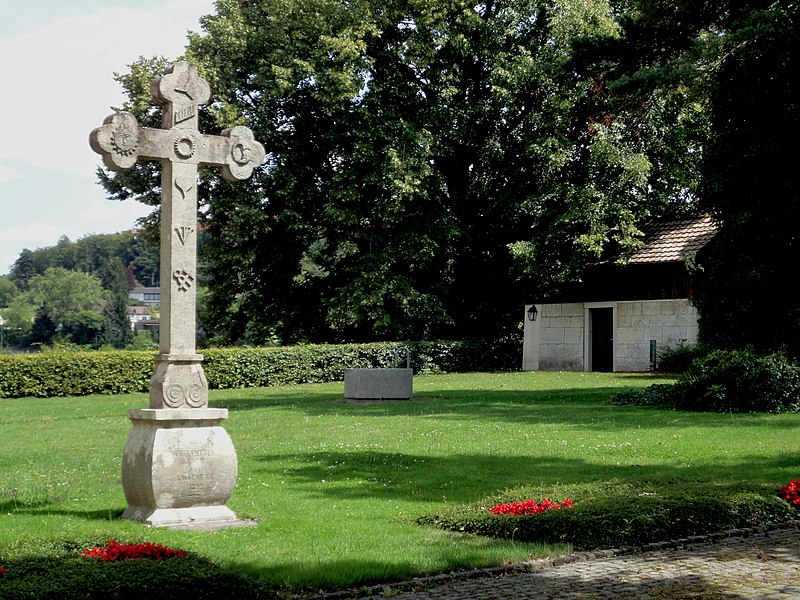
point(671, 242)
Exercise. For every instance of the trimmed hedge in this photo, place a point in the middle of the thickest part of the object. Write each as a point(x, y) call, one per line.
point(65, 373)
point(618, 520)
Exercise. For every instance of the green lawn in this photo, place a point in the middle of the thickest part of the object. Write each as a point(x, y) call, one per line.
point(336, 488)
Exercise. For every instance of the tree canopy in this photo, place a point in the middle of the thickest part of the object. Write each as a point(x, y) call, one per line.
point(431, 166)
point(752, 285)
point(103, 255)
point(67, 303)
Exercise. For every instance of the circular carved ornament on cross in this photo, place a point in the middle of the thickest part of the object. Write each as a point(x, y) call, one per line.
point(241, 154)
point(117, 141)
point(184, 147)
point(125, 138)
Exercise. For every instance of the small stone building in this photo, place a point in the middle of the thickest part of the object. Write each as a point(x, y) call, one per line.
point(621, 317)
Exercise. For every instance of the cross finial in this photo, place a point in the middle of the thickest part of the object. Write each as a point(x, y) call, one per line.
point(179, 91)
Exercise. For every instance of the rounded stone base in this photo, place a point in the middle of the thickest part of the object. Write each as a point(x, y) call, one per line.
point(178, 466)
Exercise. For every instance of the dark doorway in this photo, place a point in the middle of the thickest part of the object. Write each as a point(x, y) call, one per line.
point(602, 339)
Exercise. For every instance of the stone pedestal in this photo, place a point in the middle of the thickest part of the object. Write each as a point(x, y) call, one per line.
point(179, 468)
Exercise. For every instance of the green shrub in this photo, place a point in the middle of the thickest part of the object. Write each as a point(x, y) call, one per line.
point(726, 381)
point(67, 373)
point(65, 574)
point(678, 359)
point(627, 516)
point(739, 381)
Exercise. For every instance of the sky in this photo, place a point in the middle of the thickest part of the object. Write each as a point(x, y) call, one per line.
point(57, 65)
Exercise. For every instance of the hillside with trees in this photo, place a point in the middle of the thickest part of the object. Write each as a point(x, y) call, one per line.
point(76, 292)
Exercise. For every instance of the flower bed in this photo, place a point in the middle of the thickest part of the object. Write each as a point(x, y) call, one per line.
point(791, 493)
point(116, 551)
point(528, 507)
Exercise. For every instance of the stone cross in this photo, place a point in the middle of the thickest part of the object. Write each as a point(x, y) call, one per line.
point(178, 380)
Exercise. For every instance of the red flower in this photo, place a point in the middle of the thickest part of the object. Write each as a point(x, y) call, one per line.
point(116, 551)
point(791, 492)
point(2, 570)
point(528, 507)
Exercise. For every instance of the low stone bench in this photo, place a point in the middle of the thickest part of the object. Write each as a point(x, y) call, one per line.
point(378, 384)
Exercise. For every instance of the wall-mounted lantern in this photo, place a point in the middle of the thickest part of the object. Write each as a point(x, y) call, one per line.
point(532, 312)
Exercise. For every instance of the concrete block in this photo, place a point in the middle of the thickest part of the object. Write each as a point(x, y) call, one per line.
point(378, 384)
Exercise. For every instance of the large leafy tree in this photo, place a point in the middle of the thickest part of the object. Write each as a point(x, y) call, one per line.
point(752, 282)
point(116, 330)
point(23, 269)
point(726, 70)
point(7, 291)
point(418, 152)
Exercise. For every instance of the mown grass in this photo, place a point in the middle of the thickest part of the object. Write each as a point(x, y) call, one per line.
point(337, 488)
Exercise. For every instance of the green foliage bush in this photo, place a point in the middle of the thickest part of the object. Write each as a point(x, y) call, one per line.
point(678, 359)
point(740, 381)
point(627, 516)
point(65, 373)
point(60, 571)
point(726, 381)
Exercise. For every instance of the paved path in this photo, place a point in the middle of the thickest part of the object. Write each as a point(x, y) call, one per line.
point(752, 564)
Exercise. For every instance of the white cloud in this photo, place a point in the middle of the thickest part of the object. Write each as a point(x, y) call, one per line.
point(102, 214)
point(57, 86)
point(9, 174)
point(33, 234)
point(63, 78)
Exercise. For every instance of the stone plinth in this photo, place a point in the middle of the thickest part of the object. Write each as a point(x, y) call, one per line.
point(378, 384)
point(179, 382)
point(179, 467)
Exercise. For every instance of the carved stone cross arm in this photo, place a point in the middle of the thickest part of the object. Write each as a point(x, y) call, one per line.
point(120, 142)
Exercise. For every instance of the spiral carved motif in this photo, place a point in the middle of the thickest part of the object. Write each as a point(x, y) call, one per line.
point(195, 397)
point(174, 395)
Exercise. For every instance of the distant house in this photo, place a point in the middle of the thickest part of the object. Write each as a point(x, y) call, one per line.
point(138, 315)
point(141, 318)
point(148, 296)
point(621, 317)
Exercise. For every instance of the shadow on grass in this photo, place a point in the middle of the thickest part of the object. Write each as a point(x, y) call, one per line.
point(52, 507)
point(554, 583)
point(469, 478)
point(590, 408)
